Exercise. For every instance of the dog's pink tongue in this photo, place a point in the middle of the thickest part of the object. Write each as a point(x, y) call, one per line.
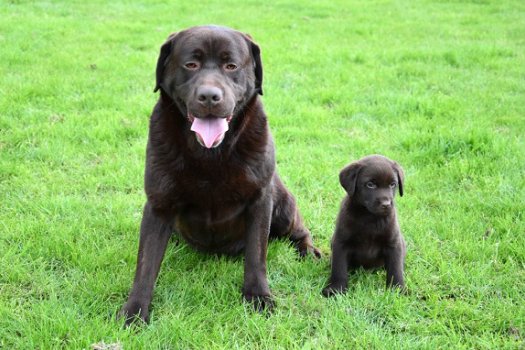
point(210, 129)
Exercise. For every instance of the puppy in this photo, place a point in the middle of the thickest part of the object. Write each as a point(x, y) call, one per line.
point(367, 233)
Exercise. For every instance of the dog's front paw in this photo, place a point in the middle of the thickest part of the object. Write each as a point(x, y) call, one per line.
point(260, 302)
point(134, 312)
point(333, 289)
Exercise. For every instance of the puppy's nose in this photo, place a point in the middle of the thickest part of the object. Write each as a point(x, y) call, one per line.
point(209, 95)
point(386, 204)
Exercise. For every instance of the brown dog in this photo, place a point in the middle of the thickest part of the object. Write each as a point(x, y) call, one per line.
point(210, 164)
point(367, 233)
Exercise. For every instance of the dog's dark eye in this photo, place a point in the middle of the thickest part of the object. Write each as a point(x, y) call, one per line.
point(370, 184)
point(191, 65)
point(393, 185)
point(230, 66)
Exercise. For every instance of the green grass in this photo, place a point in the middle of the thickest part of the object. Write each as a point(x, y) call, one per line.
point(438, 86)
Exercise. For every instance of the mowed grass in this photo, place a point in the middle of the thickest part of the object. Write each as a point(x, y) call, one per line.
point(438, 86)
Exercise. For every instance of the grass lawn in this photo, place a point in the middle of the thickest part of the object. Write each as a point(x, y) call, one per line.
point(439, 86)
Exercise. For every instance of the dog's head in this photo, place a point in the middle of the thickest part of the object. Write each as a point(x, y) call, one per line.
point(372, 182)
point(210, 73)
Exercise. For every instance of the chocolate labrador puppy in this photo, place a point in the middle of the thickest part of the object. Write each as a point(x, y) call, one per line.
point(367, 233)
point(210, 164)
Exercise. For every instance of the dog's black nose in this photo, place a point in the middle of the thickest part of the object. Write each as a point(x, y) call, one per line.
point(386, 205)
point(209, 95)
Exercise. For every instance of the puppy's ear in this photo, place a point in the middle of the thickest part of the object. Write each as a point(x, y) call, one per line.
point(400, 176)
point(165, 51)
point(348, 177)
point(256, 54)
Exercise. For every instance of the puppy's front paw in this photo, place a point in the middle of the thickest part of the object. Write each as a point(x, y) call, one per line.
point(134, 312)
point(260, 302)
point(333, 289)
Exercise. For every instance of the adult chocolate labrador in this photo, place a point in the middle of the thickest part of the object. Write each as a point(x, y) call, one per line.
point(210, 164)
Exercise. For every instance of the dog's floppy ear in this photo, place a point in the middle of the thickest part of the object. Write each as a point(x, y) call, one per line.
point(400, 176)
point(348, 177)
point(165, 51)
point(256, 54)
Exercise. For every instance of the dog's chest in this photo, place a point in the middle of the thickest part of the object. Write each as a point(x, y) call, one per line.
point(211, 205)
point(217, 187)
point(368, 240)
point(213, 229)
point(366, 251)
point(378, 231)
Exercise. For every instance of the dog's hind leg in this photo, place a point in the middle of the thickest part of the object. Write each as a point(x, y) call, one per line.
point(287, 221)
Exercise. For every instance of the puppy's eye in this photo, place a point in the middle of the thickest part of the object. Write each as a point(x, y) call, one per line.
point(191, 65)
point(370, 184)
point(393, 185)
point(230, 66)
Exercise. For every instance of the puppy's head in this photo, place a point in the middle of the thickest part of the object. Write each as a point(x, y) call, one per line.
point(210, 73)
point(372, 182)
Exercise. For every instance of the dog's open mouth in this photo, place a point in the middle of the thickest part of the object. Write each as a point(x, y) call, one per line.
point(209, 131)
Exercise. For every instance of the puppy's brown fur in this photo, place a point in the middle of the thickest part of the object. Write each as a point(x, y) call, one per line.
point(367, 233)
